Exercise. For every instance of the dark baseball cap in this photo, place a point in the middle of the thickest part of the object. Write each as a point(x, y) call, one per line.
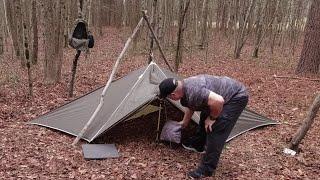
point(167, 86)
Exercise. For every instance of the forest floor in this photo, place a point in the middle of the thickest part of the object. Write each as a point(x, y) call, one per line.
point(33, 152)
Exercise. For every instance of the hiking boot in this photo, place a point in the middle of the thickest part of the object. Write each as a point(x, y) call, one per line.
point(198, 174)
point(192, 147)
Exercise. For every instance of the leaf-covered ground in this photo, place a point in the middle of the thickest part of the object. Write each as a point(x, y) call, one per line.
point(33, 152)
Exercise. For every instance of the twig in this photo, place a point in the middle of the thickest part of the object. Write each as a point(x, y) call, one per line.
point(291, 77)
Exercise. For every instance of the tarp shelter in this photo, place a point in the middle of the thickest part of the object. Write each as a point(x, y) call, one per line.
point(124, 98)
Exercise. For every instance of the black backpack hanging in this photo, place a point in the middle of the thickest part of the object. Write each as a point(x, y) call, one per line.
point(81, 39)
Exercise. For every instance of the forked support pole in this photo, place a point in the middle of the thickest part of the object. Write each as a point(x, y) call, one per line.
point(108, 83)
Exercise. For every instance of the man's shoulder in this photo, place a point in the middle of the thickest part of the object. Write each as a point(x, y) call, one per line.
point(194, 80)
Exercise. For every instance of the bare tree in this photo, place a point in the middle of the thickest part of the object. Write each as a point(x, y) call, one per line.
point(243, 30)
point(5, 24)
point(19, 29)
point(26, 9)
point(67, 22)
point(276, 25)
point(2, 26)
point(204, 30)
point(14, 18)
point(80, 5)
point(265, 18)
point(153, 25)
point(34, 24)
point(125, 13)
point(222, 14)
point(99, 18)
point(310, 55)
point(182, 13)
point(54, 40)
point(161, 20)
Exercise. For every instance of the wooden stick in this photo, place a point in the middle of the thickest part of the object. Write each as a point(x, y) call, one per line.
point(74, 70)
point(108, 83)
point(305, 126)
point(156, 39)
point(291, 77)
point(159, 119)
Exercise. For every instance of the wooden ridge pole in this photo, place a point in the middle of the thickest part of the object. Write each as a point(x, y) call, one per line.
point(108, 83)
point(156, 39)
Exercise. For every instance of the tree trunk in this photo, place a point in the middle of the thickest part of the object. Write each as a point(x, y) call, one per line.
point(258, 26)
point(18, 19)
point(242, 31)
point(310, 55)
point(6, 28)
point(300, 134)
point(274, 26)
point(34, 22)
point(89, 12)
point(100, 33)
point(204, 30)
point(67, 25)
point(153, 25)
point(2, 25)
point(74, 70)
point(26, 8)
point(12, 26)
point(294, 31)
point(161, 20)
point(125, 13)
point(54, 40)
point(1, 42)
point(183, 11)
point(15, 23)
point(266, 19)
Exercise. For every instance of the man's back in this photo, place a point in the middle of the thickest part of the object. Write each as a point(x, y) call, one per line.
point(197, 88)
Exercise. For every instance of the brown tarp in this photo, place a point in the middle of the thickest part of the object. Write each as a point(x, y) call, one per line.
point(124, 98)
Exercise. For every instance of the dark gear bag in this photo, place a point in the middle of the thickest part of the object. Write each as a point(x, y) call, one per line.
point(81, 39)
point(91, 40)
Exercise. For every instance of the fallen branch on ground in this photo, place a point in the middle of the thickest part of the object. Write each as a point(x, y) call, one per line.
point(291, 77)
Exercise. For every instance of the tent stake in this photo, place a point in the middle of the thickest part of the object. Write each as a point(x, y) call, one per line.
point(156, 39)
point(108, 83)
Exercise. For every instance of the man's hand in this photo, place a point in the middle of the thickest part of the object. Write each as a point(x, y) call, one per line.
point(208, 125)
point(183, 124)
point(186, 118)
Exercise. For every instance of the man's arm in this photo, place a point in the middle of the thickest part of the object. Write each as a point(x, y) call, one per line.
point(215, 103)
point(187, 117)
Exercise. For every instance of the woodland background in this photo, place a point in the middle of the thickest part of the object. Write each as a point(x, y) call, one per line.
point(254, 41)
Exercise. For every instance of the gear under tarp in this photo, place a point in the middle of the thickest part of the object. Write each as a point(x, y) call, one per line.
point(124, 98)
